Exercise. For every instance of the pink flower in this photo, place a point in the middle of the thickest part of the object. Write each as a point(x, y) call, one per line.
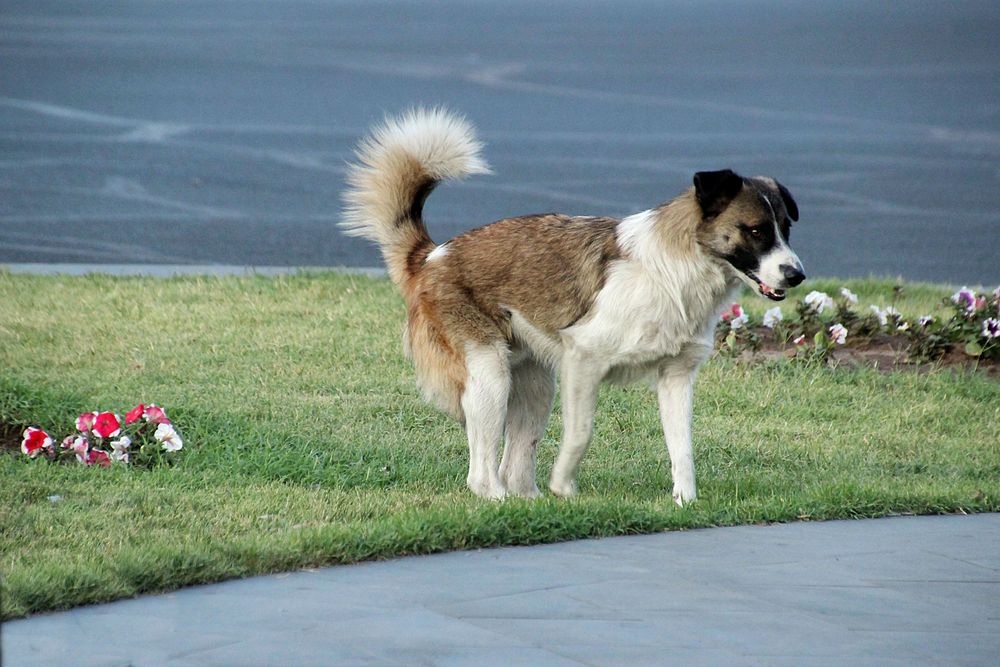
point(838, 332)
point(735, 310)
point(156, 415)
point(135, 414)
point(35, 440)
point(85, 422)
point(166, 434)
point(107, 425)
point(81, 447)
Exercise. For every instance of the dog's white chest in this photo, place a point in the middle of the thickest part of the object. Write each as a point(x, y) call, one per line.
point(635, 321)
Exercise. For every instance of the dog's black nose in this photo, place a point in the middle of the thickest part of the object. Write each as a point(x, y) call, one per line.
point(793, 275)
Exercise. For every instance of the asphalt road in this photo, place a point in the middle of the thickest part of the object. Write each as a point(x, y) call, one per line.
point(217, 132)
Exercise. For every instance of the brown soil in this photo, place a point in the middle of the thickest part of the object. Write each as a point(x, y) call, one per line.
point(883, 352)
point(10, 437)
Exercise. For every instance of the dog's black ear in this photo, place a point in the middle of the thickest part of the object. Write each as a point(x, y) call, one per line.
point(715, 189)
point(790, 205)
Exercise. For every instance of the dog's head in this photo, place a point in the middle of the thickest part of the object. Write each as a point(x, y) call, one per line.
point(745, 224)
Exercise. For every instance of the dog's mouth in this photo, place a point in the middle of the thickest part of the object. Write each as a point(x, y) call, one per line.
point(766, 290)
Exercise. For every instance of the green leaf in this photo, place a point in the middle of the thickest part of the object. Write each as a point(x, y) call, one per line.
point(973, 349)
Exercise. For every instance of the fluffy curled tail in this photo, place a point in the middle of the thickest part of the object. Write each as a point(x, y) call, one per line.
point(399, 163)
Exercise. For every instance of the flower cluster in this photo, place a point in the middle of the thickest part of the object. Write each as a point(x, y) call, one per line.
point(974, 328)
point(737, 336)
point(735, 316)
point(145, 437)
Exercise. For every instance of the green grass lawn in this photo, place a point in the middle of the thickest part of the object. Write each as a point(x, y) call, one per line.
point(307, 443)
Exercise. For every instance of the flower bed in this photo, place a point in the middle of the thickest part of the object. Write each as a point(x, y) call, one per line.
point(824, 329)
point(146, 437)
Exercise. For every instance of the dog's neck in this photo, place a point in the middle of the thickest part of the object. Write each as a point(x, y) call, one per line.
point(664, 240)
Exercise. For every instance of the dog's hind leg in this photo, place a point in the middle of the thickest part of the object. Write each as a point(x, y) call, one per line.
point(532, 388)
point(581, 379)
point(484, 403)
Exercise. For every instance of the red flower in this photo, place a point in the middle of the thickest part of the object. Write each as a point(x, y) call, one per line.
point(156, 415)
point(135, 414)
point(85, 422)
point(35, 440)
point(734, 311)
point(99, 457)
point(107, 425)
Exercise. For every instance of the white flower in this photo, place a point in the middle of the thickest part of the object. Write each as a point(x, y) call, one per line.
point(818, 301)
point(838, 332)
point(119, 449)
point(851, 297)
point(925, 320)
point(123, 442)
point(883, 315)
point(903, 327)
point(772, 316)
point(738, 322)
point(166, 434)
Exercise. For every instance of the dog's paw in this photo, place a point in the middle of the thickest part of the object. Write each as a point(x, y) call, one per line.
point(484, 489)
point(523, 487)
point(684, 496)
point(524, 490)
point(564, 488)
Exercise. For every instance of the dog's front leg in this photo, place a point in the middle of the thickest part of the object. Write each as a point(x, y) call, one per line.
point(674, 392)
point(580, 381)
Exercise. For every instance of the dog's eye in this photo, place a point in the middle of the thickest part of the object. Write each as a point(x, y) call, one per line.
point(755, 231)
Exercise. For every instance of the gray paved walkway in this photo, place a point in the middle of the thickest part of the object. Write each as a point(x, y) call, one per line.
point(903, 591)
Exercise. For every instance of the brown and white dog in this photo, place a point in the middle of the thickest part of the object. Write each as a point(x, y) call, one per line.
point(495, 313)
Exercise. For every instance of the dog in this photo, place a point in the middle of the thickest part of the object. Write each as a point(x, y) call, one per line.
point(496, 312)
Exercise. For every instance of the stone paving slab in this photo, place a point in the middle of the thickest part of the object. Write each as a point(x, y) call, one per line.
point(901, 591)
